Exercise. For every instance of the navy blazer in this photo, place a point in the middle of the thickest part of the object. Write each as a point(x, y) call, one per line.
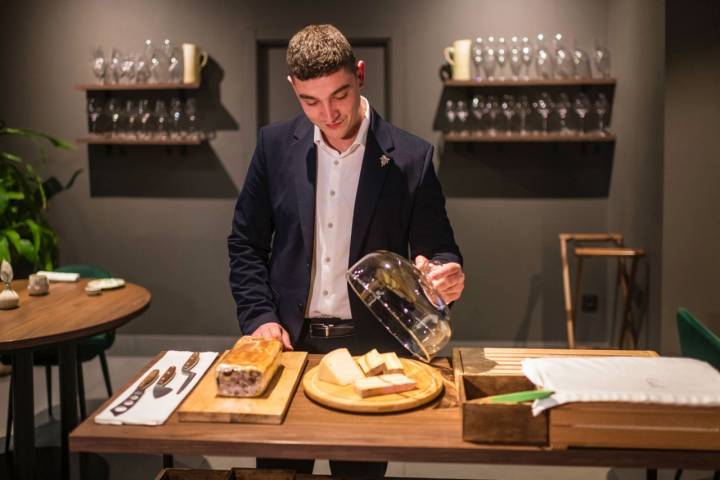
point(399, 207)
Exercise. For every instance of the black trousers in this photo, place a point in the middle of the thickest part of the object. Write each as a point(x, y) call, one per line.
point(358, 344)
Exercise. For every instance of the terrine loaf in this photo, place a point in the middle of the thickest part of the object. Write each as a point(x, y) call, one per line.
point(247, 369)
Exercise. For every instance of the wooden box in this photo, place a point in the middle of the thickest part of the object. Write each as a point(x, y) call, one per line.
point(191, 474)
point(482, 372)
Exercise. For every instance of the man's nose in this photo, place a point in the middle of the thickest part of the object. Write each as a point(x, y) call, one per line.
point(329, 111)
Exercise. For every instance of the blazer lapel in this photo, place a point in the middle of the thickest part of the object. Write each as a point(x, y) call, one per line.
point(303, 162)
point(372, 179)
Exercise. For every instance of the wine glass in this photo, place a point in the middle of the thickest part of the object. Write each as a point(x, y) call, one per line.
point(581, 105)
point(601, 108)
point(564, 63)
point(142, 69)
point(131, 116)
point(508, 109)
point(522, 110)
point(114, 113)
point(526, 51)
point(127, 68)
point(501, 56)
point(450, 115)
point(543, 106)
point(462, 114)
point(492, 108)
point(191, 115)
point(476, 107)
point(94, 109)
point(115, 66)
point(161, 117)
point(543, 59)
point(582, 63)
point(601, 58)
point(515, 60)
point(176, 112)
point(175, 68)
point(143, 112)
point(562, 107)
point(488, 59)
point(99, 65)
point(477, 57)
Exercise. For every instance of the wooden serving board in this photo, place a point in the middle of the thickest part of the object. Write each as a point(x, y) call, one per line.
point(429, 383)
point(204, 405)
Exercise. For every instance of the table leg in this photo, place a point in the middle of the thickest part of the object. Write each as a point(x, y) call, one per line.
point(68, 401)
point(24, 414)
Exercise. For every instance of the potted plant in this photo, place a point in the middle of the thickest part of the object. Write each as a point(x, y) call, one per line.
point(27, 240)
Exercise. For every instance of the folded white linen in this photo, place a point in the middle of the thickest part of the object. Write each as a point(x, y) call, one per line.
point(155, 411)
point(666, 380)
point(60, 276)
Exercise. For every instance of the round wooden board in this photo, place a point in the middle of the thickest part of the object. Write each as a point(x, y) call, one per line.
point(429, 386)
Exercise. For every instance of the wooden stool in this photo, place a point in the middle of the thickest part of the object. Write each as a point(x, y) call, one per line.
point(625, 280)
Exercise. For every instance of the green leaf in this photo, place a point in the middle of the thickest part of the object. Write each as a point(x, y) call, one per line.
point(23, 246)
point(4, 201)
point(10, 156)
point(4, 249)
point(24, 132)
point(35, 230)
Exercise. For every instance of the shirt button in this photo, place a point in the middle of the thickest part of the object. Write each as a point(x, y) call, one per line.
point(327, 259)
point(337, 162)
point(325, 293)
point(332, 193)
point(330, 225)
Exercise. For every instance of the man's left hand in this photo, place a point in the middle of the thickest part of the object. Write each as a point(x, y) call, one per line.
point(447, 278)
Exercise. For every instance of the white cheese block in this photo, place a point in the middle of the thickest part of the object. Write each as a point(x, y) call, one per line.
point(392, 363)
point(338, 367)
point(384, 384)
point(372, 363)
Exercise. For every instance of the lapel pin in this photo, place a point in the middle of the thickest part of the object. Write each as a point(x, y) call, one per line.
point(384, 160)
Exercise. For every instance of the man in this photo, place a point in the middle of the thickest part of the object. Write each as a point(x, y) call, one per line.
point(324, 189)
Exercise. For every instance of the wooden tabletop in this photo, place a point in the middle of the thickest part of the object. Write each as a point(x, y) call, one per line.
point(427, 434)
point(67, 313)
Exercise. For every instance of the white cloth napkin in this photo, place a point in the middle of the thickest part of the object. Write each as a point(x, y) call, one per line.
point(667, 380)
point(60, 276)
point(155, 411)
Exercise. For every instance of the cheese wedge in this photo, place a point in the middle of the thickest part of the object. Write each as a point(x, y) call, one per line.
point(383, 384)
point(338, 367)
point(392, 363)
point(372, 363)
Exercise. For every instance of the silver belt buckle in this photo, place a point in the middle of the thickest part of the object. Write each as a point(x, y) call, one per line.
point(326, 329)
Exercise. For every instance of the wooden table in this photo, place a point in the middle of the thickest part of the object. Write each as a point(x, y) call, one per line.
point(429, 434)
point(59, 319)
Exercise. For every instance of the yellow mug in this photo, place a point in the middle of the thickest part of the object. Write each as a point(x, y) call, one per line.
point(458, 55)
point(194, 60)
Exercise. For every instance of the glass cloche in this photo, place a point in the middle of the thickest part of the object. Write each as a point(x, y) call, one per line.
point(404, 302)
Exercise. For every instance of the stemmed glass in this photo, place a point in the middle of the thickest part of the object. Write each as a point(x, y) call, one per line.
point(99, 65)
point(601, 108)
point(601, 58)
point(564, 63)
point(143, 112)
point(527, 56)
point(581, 105)
point(522, 110)
point(161, 117)
point(562, 107)
point(127, 68)
point(476, 108)
point(176, 111)
point(115, 66)
point(501, 56)
point(543, 59)
point(462, 114)
point(113, 111)
point(488, 59)
point(142, 69)
point(582, 63)
point(175, 68)
point(94, 109)
point(191, 115)
point(131, 115)
point(515, 58)
point(450, 115)
point(508, 109)
point(543, 106)
point(477, 57)
point(492, 108)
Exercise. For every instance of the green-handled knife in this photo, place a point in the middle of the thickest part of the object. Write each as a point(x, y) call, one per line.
point(516, 397)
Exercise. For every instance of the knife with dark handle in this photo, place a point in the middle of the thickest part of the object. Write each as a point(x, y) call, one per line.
point(187, 370)
point(161, 387)
point(133, 398)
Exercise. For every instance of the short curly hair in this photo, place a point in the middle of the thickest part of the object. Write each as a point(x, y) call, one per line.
point(319, 50)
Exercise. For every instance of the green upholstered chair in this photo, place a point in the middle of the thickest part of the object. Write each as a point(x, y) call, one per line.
point(696, 340)
point(87, 349)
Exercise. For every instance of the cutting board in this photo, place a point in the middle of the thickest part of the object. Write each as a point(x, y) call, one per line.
point(429, 383)
point(203, 404)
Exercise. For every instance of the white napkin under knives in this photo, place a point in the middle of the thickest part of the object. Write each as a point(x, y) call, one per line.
point(155, 411)
point(666, 380)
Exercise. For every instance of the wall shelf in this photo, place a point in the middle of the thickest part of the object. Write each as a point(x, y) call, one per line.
point(502, 137)
point(106, 140)
point(136, 86)
point(533, 82)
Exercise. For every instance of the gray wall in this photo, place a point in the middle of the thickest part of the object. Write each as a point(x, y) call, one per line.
point(691, 216)
point(173, 241)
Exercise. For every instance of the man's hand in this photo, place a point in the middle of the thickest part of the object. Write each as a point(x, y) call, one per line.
point(274, 330)
point(447, 278)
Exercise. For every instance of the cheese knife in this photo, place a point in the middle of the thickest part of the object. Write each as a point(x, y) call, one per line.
point(161, 387)
point(133, 398)
point(187, 370)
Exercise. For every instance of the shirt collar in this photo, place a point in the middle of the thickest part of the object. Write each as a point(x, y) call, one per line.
point(360, 138)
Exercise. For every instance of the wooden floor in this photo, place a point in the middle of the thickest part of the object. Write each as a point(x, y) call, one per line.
point(145, 466)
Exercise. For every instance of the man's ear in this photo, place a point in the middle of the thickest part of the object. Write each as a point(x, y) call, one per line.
point(360, 72)
point(290, 81)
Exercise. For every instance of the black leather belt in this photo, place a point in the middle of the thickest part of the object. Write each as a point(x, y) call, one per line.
point(331, 327)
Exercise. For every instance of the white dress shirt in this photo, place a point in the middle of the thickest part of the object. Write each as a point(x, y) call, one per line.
point(337, 182)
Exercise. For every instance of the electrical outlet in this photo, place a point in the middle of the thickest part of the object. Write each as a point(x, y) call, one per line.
point(589, 302)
